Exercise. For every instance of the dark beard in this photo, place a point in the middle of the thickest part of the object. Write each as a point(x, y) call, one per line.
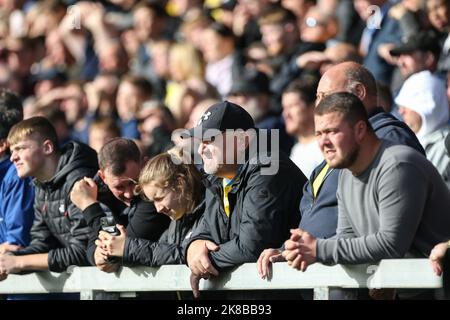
point(349, 160)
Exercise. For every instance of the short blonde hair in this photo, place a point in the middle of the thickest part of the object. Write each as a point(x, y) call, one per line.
point(168, 170)
point(182, 52)
point(37, 127)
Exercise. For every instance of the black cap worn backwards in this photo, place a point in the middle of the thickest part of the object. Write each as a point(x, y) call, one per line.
point(422, 41)
point(220, 117)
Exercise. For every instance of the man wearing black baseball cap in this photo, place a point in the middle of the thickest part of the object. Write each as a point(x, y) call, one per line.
point(417, 53)
point(249, 207)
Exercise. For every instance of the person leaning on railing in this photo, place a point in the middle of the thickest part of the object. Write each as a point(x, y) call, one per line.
point(177, 191)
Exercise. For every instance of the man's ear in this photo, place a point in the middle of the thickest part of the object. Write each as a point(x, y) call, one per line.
point(101, 175)
point(48, 147)
point(360, 91)
point(360, 130)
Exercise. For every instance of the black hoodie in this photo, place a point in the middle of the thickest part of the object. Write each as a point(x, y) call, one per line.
point(59, 228)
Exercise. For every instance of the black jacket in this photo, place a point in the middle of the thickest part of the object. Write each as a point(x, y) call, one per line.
point(140, 218)
point(59, 227)
point(168, 249)
point(263, 208)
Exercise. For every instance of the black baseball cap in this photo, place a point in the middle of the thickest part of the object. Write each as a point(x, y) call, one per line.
point(218, 118)
point(422, 41)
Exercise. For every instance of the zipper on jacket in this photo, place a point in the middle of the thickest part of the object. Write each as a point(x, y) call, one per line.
point(45, 206)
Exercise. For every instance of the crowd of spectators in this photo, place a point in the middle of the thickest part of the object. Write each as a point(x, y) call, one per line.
point(123, 75)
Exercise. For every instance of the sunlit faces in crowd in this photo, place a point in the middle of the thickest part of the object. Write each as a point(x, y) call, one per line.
point(297, 113)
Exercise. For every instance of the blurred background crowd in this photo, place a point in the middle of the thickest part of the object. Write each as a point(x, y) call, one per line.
point(140, 69)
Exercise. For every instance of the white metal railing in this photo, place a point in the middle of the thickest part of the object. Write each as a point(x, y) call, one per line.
point(93, 283)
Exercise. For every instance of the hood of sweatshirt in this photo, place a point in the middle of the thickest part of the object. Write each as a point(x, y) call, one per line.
point(425, 94)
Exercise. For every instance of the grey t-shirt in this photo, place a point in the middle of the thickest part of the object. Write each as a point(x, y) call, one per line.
point(398, 205)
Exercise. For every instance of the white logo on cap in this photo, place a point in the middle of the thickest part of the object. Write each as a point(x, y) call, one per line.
point(204, 117)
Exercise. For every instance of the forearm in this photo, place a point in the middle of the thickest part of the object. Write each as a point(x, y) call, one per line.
point(34, 248)
point(233, 253)
point(33, 262)
point(366, 249)
point(92, 215)
point(152, 254)
point(75, 44)
point(401, 198)
point(60, 259)
point(398, 225)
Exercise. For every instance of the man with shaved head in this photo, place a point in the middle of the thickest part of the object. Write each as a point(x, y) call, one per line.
point(354, 78)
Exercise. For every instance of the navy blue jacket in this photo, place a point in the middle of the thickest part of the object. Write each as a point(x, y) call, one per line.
point(388, 127)
point(319, 217)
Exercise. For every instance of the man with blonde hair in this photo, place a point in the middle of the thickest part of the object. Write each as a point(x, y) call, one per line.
point(59, 233)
